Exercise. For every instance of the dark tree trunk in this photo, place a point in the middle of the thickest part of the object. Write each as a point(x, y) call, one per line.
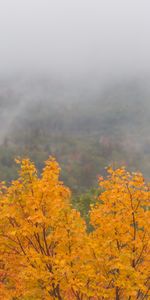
point(117, 293)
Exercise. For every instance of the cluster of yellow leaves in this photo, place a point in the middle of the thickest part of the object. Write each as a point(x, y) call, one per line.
point(121, 240)
point(46, 252)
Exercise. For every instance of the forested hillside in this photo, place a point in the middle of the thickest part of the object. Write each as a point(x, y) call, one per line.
point(85, 126)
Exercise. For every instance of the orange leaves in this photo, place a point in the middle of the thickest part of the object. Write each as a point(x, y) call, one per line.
point(40, 230)
point(46, 252)
point(122, 232)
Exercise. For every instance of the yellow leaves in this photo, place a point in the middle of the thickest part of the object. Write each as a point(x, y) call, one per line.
point(51, 170)
point(121, 229)
point(47, 251)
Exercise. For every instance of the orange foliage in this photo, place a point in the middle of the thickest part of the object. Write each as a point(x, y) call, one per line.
point(46, 252)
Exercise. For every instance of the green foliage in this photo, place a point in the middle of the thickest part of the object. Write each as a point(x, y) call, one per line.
point(84, 202)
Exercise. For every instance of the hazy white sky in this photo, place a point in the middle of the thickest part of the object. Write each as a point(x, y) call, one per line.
point(105, 36)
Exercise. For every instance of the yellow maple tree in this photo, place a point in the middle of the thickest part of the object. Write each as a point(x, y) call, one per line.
point(121, 240)
point(47, 253)
point(41, 235)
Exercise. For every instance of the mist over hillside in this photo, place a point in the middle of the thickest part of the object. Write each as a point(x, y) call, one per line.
point(74, 83)
point(87, 126)
point(63, 106)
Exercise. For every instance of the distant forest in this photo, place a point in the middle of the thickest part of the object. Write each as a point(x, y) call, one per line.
point(85, 126)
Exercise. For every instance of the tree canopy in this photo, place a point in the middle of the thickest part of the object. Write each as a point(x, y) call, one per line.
point(46, 251)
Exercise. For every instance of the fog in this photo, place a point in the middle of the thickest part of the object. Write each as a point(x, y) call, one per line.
point(79, 37)
point(74, 83)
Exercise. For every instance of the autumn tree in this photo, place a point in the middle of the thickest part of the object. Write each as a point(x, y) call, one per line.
point(120, 242)
point(42, 238)
point(46, 252)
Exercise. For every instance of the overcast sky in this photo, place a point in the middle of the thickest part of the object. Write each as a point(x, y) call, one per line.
point(105, 36)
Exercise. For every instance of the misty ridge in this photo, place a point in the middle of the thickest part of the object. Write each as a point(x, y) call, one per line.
point(74, 83)
point(120, 107)
point(85, 125)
